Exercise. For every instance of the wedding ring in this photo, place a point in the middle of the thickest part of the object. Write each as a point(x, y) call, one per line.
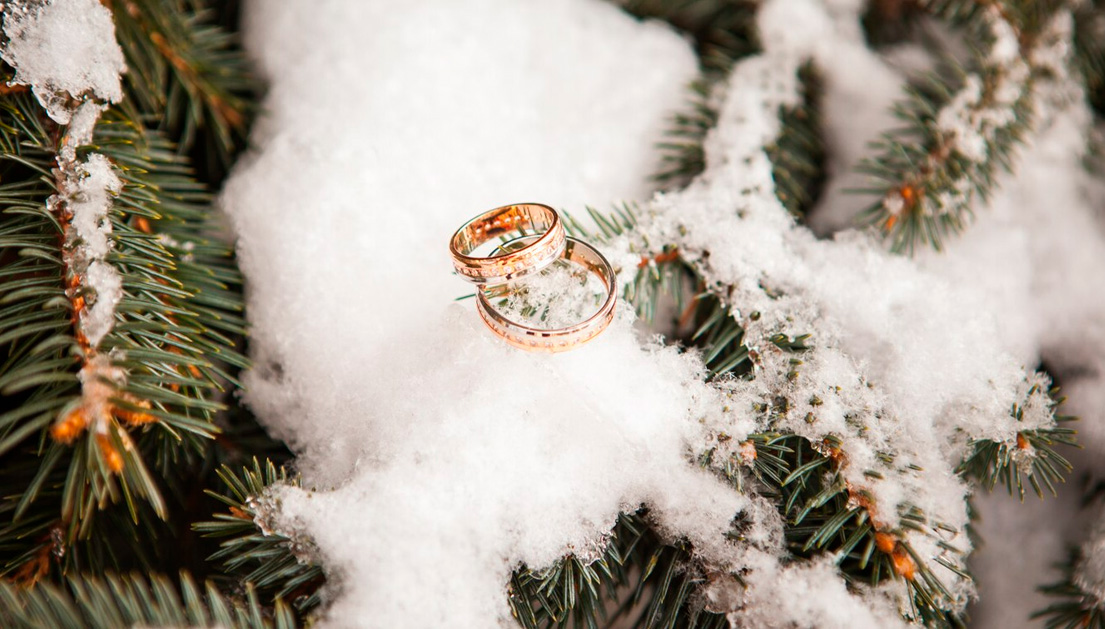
point(520, 218)
point(559, 339)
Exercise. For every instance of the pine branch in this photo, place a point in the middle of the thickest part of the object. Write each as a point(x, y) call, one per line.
point(798, 153)
point(1075, 607)
point(637, 581)
point(1032, 457)
point(187, 74)
point(825, 513)
point(94, 412)
point(961, 125)
point(1089, 49)
point(132, 600)
point(723, 30)
point(1078, 594)
point(268, 561)
point(163, 361)
point(682, 154)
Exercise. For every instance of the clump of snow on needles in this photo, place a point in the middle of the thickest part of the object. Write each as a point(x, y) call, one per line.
point(1036, 254)
point(1033, 256)
point(66, 51)
point(905, 363)
point(437, 459)
point(63, 49)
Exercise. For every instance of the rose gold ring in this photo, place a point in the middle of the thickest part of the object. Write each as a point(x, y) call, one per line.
point(559, 339)
point(521, 219)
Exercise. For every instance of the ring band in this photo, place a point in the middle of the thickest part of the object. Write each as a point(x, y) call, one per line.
point(538, 253)
point(559, 339)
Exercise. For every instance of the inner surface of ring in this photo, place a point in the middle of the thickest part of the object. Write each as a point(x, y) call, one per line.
point(512, 299)
point(520, 218)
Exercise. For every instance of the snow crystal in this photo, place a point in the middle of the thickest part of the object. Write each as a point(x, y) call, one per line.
point(65, 50)
point(107, 286)
point(812, 595)
point(82, 124)
point(958, 120)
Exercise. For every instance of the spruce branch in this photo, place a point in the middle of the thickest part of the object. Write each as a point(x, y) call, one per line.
point(1074, 608)
point(682, 154)
point(186, 72)
point(1078, 595)
point(131, 600)
point(961, 125)
point(162, 361)
point(798, 153)
point(637, 580)
point(95, 388)
point(823, 512)
point(1089, 49)
point(826, 513)
point(723, 30)
point(1031, 458)
point(271, 563)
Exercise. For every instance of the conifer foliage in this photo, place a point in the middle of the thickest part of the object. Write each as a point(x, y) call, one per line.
point(111, 389)
point(120, 432)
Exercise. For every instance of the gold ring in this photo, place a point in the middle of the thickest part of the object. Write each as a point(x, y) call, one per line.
point(559, 339)
point(540, 252)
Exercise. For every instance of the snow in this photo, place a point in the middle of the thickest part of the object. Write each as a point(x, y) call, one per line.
point(67, 53)
point(904, 361)
point(95, 184)
point(812, 595)
point(65, 50)
point(436, 459)
point(86, 192)
point(563, 294)
point(1039, 248)
point(1032, 256)
point(458, 456)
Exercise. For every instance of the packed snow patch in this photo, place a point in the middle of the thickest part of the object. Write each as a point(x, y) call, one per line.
point(439, 458)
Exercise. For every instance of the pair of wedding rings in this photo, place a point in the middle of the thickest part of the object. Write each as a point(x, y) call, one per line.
point(534, 239)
